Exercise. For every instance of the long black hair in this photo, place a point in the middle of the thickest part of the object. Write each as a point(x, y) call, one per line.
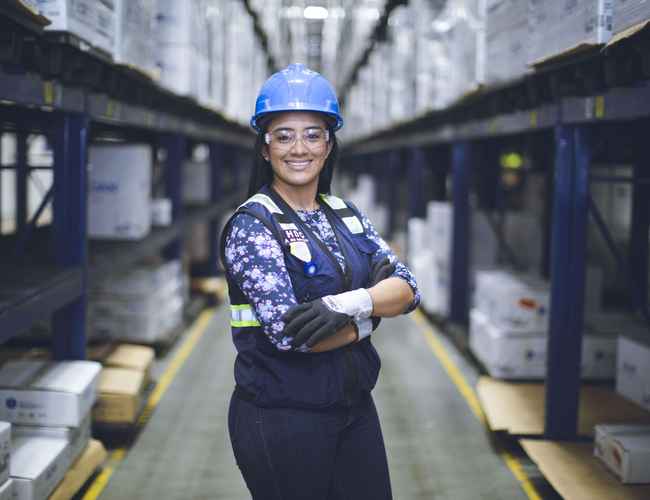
point(262, 172)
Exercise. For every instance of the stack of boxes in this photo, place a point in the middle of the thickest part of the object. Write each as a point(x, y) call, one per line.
point(48, 405)
point(509, 326)
point(144, 305)
point(506, 40)
point(435, 268)
point(122, 383)
point(182, 47)
point(135, 43)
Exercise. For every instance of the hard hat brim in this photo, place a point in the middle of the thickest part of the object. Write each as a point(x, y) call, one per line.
point(257, 121)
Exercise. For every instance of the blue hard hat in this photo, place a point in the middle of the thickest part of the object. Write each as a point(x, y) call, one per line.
point(296, 88)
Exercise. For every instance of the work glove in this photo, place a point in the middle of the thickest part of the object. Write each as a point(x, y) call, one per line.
point(311, 322)
point(381, 270)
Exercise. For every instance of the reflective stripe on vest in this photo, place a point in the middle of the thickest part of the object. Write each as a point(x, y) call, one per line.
point(242, 315)
point(344, 212)
point(265, 201)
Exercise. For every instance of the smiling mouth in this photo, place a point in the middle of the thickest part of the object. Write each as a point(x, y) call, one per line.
point(298, 165)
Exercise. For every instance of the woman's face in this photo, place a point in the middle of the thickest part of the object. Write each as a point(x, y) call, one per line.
point(297, 147)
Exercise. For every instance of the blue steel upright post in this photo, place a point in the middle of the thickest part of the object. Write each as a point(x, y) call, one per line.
point(460, 262)
point(175, 146)
point(568, 268)
point(216, 192)
point(69, 141)
point(417, 206)
point(392, 180)
point(22, 176)
point(638, 255)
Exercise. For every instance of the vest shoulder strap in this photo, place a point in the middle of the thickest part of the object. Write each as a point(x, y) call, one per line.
point(344, 212)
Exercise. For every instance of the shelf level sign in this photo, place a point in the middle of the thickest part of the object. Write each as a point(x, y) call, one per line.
point(534, 120)
point(48, 93)
point(599, 106)
point(112, 108)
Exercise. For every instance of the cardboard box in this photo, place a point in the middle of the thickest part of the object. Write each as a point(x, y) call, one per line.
point(48, 393)
point(92, 457)
point(7, 490)
point(37, 465)
point(5, 451)
point(119, 194)
point(633, 368)
point(625, 449)
point(120, 396)
point(133, 357)
point(77, 437)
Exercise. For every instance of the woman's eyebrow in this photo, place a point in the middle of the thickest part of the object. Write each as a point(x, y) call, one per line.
point(305, 128)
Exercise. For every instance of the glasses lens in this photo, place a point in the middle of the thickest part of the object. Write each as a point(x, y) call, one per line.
point(313, 138)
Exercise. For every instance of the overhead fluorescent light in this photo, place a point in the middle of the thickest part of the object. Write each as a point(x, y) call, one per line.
point(315, 12)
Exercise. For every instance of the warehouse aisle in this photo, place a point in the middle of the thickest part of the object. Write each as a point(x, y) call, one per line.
point(436, 447)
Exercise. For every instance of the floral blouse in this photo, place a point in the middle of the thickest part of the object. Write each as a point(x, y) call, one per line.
point(255, 261)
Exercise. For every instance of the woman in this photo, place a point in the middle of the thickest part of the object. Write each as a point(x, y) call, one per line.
point(308, 277)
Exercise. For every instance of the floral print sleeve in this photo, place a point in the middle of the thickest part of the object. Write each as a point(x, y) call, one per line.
point(256, 262)
point(401, 271)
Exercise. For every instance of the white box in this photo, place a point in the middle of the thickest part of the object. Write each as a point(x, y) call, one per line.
point(633, 368)
point(119, 195)
point(47, 393)
point(38, 464)
point(7, 490)
point(625, 449)
point(75, 16)
point(196, 182)
point(135, 34)
point(161, 212)
point(5, 451)
point(76, 437)
point(175, 65)
point(518, 303)
point(105, 26)
point(505, 354)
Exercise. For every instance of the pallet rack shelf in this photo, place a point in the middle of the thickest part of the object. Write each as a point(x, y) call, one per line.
point(569, 115)
point(53, 85)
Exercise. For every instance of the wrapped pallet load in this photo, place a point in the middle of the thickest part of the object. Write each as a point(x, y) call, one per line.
point(560, 28)
point(630, 14)
point(506, 40)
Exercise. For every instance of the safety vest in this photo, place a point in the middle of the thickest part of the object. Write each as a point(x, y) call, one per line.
point(274, 378)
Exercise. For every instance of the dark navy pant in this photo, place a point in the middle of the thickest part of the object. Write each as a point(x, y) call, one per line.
point(290, 454)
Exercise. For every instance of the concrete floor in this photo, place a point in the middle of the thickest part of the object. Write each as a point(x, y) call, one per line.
point(436, 447)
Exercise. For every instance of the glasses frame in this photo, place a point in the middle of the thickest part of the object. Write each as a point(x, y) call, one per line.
point(269, 135)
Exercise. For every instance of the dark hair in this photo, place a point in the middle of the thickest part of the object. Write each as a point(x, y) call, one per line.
point(262, 172)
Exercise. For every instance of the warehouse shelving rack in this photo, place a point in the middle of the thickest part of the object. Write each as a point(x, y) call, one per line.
point(56, 87)
point(564, 112)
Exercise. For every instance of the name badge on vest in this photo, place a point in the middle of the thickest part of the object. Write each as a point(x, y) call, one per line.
point(298, 245)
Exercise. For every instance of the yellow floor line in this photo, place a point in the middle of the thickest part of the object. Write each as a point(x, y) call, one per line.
point(196, 332)
point(470, 397)
point(102, 479)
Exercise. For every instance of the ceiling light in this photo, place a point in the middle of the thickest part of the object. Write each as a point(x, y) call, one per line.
point(314, 12)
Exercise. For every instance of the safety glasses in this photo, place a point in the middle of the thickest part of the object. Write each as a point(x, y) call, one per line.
point(314, 138)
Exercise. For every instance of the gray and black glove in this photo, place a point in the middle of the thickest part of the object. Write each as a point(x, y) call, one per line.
point(381, 270)
point(311, 322)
